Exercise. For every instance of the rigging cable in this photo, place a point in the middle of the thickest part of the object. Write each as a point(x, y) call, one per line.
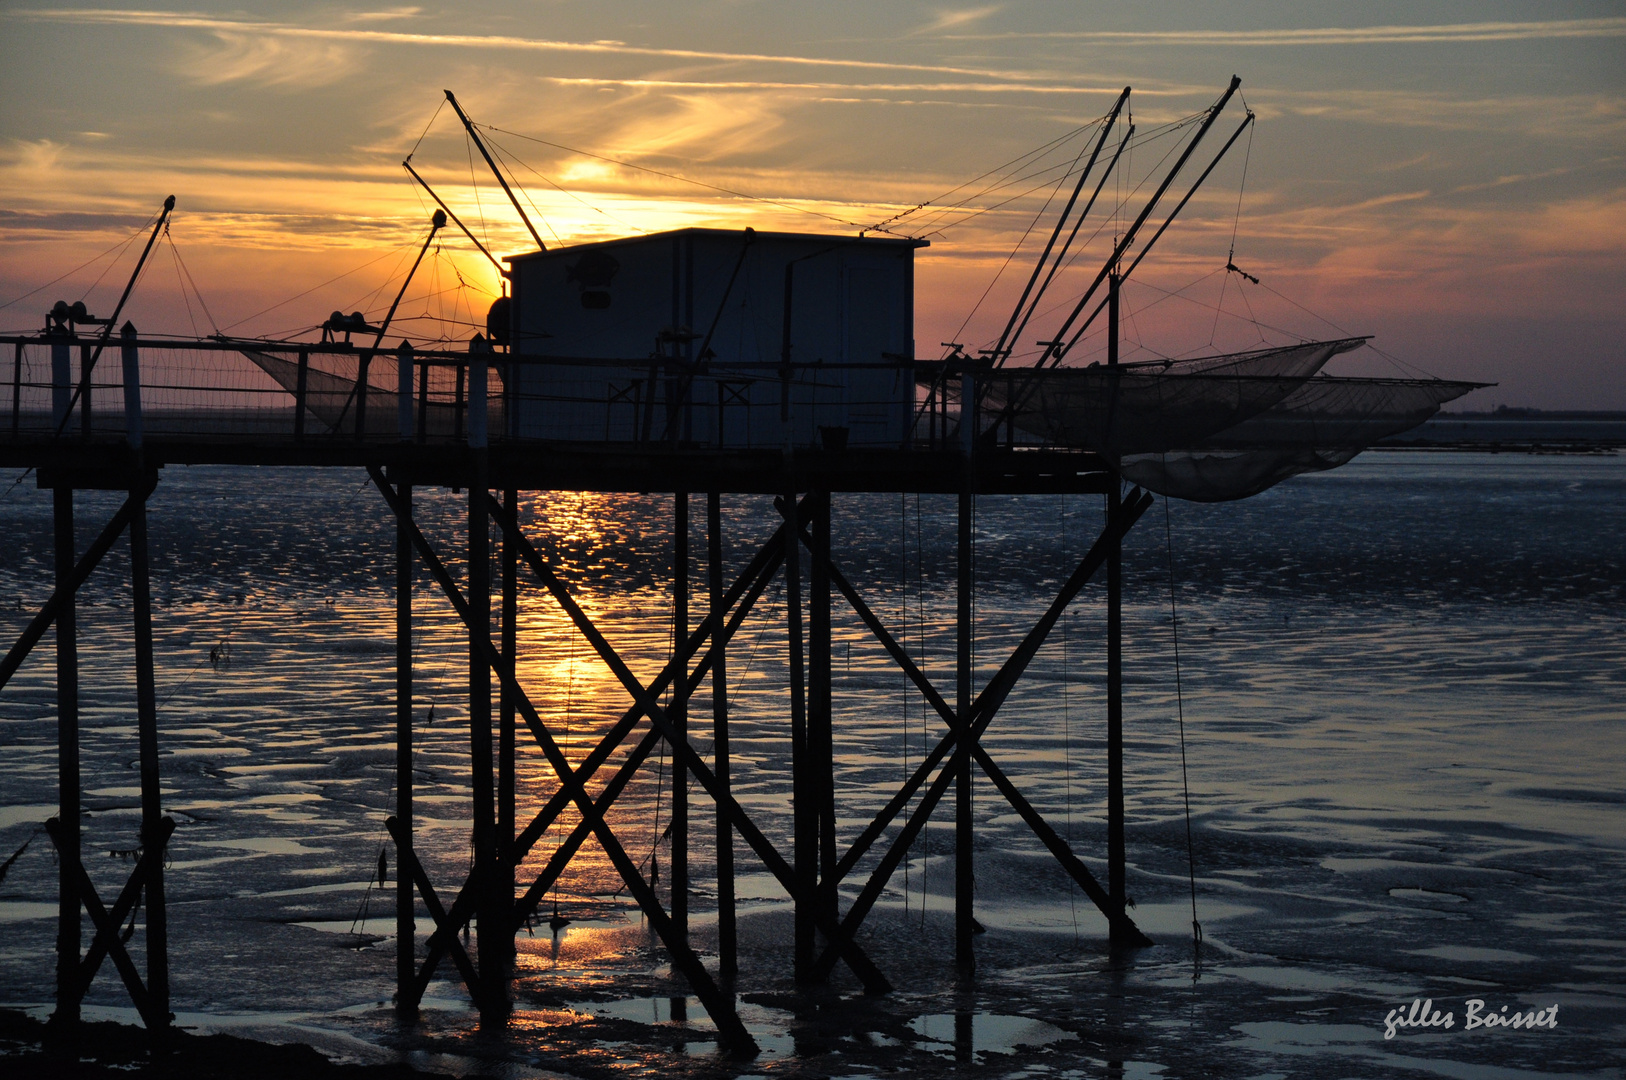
point(1016, 247)
point(505, 155)
point(426, 128)
point(125, 243)
point(1180, 705)
point(1067, 724)
point(510, 156)
point(186, 272)
point(1230, 256)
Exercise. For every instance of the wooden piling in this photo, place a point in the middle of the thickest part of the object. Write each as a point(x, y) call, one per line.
point(679, 713)
point(727, 928)
point(1115, 695)
point(153, 833)
point(505, 725)
point(68, 937)
point(496, 935)
point(405, 922)
point(964, 879)
point(821, 743)
point(804, 816)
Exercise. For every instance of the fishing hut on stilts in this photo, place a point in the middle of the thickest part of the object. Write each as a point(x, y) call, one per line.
point(606, 370)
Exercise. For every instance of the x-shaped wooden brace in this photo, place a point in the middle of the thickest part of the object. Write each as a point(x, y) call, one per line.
point(764, 574)
point(107, 923)
point(983, 710)
point(444, 938)
point(81, 571)
point(731, 1032)
point(752, 582)
point(847, 949)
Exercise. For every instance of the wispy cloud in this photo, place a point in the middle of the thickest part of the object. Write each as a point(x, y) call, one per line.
point(190, 21)
point(385, 15)
point(268, 61)
point(954, 19)
point(1354, 35)
point(909, 88)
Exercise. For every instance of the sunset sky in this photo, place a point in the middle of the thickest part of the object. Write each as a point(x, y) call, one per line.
point(1449, 177)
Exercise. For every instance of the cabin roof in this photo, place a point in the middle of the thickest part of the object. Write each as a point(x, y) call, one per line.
point(626, 241)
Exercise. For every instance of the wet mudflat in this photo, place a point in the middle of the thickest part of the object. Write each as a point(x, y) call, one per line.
point(1401, 686)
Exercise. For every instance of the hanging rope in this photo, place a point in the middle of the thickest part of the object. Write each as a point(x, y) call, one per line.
point(1067, 725)
point(1180, 705)
point(903, 595)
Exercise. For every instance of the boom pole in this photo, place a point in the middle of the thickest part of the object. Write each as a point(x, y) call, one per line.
point(407, 165)
point(1063, 351)
point(468, 125)
point(998, 353)
point(1052, 349)
point(113, 319)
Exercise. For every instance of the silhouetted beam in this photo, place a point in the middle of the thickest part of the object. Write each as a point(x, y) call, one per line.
point(407, 165)
point(678, 709)
point(1085, 325)
point(983, 711)
point(468, 125)
point(155, 828)
point(82, 569)
point(561, 856)
point(152, 855)
point(731, 1032)
point(855, 957)
point(88, 363)
point(755, 578)
point(1009, 335)
point(992, 696)
point(727, 958)
point(445, 928)
point(107, 935)
point(765, 565)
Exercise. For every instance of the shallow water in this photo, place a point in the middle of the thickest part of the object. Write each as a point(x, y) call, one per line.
point(1401, 688)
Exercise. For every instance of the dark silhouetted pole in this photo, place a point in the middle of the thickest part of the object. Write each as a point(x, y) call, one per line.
point(468, 125)
point(405, 924)
point(679, 713)
point(67, 743)
point(493, 950)
point(821, 742)
point(804, 815)
point(152, 831)
point(727, 959)
point(505, 718)
point(965, 960)
point(1115, 657)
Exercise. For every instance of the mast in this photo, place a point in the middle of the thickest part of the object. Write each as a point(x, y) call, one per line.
point(468, 126)
point(112, 320)
point(1052, 350)
point(1085, 325)
point(998, 352)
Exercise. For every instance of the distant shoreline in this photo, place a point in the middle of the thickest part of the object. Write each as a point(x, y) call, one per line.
point(1517, 431)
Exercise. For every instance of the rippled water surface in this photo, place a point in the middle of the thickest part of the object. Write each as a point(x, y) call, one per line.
point(1402, 689)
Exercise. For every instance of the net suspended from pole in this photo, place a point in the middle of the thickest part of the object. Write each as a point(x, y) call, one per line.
point(1325, 423)
point(1158, 406)
point(1215, 428)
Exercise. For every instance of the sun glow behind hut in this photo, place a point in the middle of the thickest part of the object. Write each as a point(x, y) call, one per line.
point(717, 337)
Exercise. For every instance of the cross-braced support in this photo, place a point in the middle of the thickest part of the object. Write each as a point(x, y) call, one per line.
point(731, 1031)
point(76, 893)
point(980, 713)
